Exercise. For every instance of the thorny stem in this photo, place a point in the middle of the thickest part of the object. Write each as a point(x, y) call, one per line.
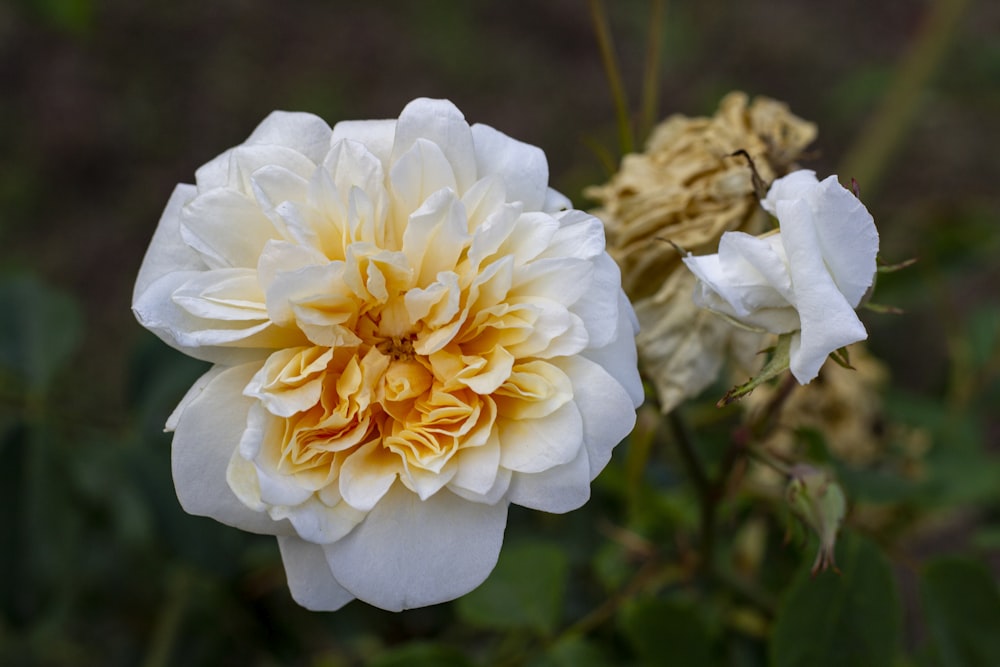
point(712, 490)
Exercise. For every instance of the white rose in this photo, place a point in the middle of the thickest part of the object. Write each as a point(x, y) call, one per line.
point(409, 333)
point(807, 279)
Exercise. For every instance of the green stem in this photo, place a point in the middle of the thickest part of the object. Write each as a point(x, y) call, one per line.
point(602, 30)
point(169, 620)
point(651, 73)
point(871, 151)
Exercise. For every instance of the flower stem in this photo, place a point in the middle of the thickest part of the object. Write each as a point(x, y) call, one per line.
point(871, 151)
point(602, 30)
point(651, 72)
point(169, 620)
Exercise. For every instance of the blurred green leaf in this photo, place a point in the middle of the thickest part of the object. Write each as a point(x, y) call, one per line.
point(572, 652)
point(40, 329)
point(853, 618)
point(423, 655)
point(667, 632)
point(526, 590)
point(73, 16)
point(962, 608)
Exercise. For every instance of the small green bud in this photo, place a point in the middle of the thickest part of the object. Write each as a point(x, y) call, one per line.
point(816, 498)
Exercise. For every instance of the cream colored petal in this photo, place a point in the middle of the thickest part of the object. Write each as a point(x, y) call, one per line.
point(376, 135)
point(202, 338)
point(416, 175)
point(601, 306)
point(618, 357)
point(309, 578)
point(223, 294)
point(435, 236)
point(607, 410)
point(318, 523)
point(305, 133)
point(558, 489)
point(477, 467)
point(412, 553)
point(208, 432)
point(441, 123)
point(367, 474)
point(523, 167)
point(534, 445)
point(580, 235)
point(167, 252)
point(227, 228)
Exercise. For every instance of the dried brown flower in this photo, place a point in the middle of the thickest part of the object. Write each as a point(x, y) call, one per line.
point(688, 188)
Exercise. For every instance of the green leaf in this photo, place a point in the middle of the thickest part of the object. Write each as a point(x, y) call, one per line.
point(832, 620)
point(423, 655)
point(962, 607)
point(525, 591)
point(775, 366)
point(573, 652)
point(40, 329)
point(667, 632)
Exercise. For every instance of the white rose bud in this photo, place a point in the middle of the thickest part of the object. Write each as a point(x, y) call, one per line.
point(806, 280)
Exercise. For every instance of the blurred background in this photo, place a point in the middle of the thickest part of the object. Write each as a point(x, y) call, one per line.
point(105, 105)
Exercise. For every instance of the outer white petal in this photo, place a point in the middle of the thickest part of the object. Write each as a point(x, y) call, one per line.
point(192, 393)
point(560, 489)
point(167, 252)
point(828, 320)
point(847, 236)
point(523, 167)
point(228, 228)
point(412, 553)
point(534, 445)
point(208, 432)
point(600, 305)
point(607, 409)
point(619, 357)
point(440, 122)
point(309, 578)
point(221, 342)
point(556, 201)
point(795, 185)
point(318, 523)
point(376, 135)
point(303, 132)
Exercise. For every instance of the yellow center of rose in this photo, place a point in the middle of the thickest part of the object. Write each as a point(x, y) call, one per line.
point(415, 368)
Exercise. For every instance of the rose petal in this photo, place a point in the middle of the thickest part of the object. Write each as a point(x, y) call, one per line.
point(303, 132)
point(848, 238)
point(167, 252)
point(607, 410)
point(309, 578)
point(208, 432)
point(523, 167)
point(534, 445)
point(619, 357)
point(412, 553)
point(441, 123)
point(828, 320)
point(559, 489)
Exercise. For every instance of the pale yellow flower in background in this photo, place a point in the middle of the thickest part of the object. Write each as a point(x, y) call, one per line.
point(410, 331)
point(688, 188)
